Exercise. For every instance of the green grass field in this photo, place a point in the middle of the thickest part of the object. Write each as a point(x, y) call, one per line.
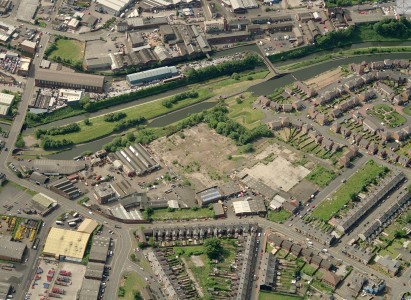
point(241, 111)
point(321, 176)
point(276, 296)
point(367, 174)
point(131, 284)
point(278, 216)
point(164, 214)
point(68, 49)
point(100, 128)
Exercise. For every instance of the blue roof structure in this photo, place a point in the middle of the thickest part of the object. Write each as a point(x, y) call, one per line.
point(150, 75)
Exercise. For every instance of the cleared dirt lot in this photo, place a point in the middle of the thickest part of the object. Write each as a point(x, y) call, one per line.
point(325, 79)
point(201, 155)
point(279, 174)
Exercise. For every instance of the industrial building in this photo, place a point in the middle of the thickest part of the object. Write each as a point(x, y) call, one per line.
point(27, 10)
point(28, 46)
point(10, 250)
point(90, 289)
point(249, 207)
point(112, 7)
point(134, 160)
point(151, 75)
point(44, 203)
point(6, 31)
point(135, 39)
point(87, 226)
point(5, 290)
point(65, 188)
point(64, 244)
point(99, 249)
point(208, 196)
point(58, 167)
point(94, 271)
point(59, 79)
point(70, 96)
point(104, 193)
point(6, 100)
point(97, 63)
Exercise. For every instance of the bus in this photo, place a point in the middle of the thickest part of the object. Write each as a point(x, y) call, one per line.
point(72, 224)
point(59, 222)
point(36, 243)
point(75, 220)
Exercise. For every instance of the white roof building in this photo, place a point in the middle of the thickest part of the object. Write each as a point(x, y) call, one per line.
point(114, 7)
point(6, 100)
point(70, 95)
point(73, 23)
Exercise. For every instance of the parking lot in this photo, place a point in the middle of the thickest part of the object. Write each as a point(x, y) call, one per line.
point(64, 279)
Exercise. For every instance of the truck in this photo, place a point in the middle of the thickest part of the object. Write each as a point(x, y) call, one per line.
point(72, 224)
point(59, 222)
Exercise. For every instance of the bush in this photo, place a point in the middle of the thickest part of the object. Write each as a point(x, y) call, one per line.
point(123, 125)
point(49, 144)
point(169, 102)
point(114, 117)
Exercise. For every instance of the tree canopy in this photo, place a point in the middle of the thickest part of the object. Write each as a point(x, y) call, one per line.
point(213, 248)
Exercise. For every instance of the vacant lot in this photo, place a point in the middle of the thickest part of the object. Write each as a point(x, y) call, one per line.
point(321, 176)
point(72, 50)
point(269, 173)
point(130, 284)
point(200, 154)
point(278, 216)
point(369, 173)
point(182, 214)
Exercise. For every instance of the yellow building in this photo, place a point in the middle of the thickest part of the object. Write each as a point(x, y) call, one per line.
point(87, 226)
point(65, 244)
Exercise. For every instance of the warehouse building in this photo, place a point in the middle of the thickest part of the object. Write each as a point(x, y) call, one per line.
point(70, 96)
point(104, 193)
point(97, 63)
point(99, 249)
point(88, 226)
point(64, 244)
point(6, 31)
point(58, 167)
point(90, 290)
point(249, 207)
point(9, 250)
point(6, 100)
point(44, 203)
point(65, 188)
point(112, 7)
point(151, 75)
point(59, 79)
point(5, 290)
point(94, 271)
point(208, 196)
point(134, 160)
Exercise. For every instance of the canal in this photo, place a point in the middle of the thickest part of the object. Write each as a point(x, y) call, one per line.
point(263, 88)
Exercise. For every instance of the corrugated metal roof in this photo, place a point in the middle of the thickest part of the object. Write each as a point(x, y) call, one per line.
point(147, 75)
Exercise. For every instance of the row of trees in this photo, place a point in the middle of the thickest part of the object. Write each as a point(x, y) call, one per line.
point(50, 144)
point(179, 97)
point(123, 125)
point(114, 117)
point(74, 127)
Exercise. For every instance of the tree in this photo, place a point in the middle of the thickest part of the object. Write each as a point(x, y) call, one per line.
point(213, 248)
point(400, 234)
point(87, 122)
point(133, 256)
point(137, 296)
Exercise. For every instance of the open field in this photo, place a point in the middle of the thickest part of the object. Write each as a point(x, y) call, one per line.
point(130, 284)
point(369, 173)
point(278, 216)
point(241, 110)
point(182, 214)
point(321, 176)
point(72, 50)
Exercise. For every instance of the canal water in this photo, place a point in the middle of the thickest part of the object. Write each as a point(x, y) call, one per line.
point(263, 88)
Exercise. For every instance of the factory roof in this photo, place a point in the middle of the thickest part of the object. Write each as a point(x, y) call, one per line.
point(87, 226)
point(62, 242)
point(163, 71)
point(6, 99)
point(99, 248)
point(209, 195)
point(4, 289)
point(89, 289)
point(50, 166)
point(116, 5)
point(94, 270)
point(70, 77)
point(44, 200)
point(8, 248)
